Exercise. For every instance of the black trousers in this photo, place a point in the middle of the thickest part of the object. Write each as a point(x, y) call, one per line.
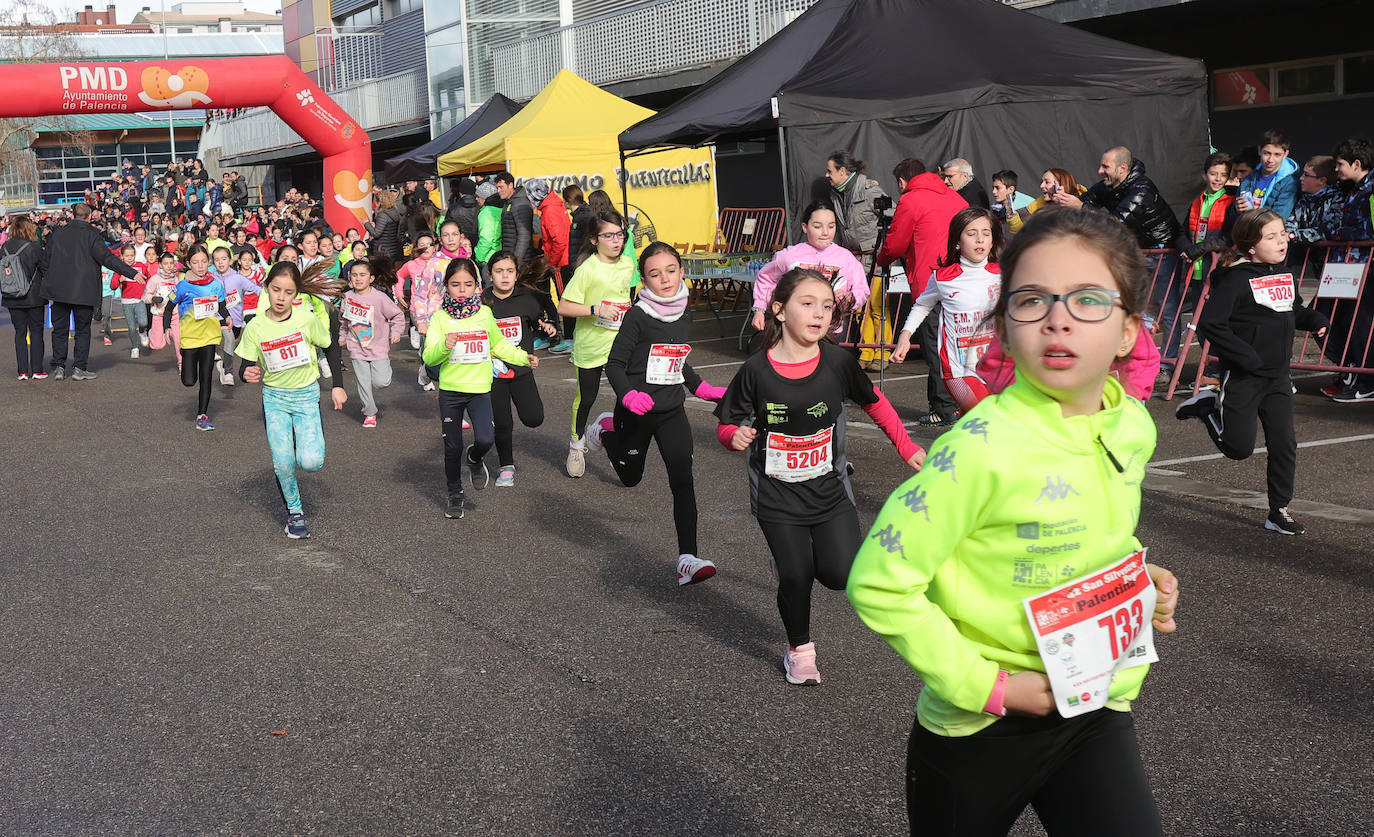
point(628, 446)
point(62, 313)
point(198, 367)
point(803, 554)
point(452, 405)
point(1245, 402)
point(588, 385)
point(941, 402)
point(569, 323)
point(1082, 776)
point(28, 339)
point(523, 391)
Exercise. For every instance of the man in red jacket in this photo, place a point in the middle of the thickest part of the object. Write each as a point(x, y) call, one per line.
point(919, 236)
point(554, 226)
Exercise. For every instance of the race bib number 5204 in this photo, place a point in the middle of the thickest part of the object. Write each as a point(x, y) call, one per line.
point(1091, 628)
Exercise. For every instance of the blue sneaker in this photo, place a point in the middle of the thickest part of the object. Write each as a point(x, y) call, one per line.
point(203, 422)
point(562, 348)
point(541, 343)
point(295, 527)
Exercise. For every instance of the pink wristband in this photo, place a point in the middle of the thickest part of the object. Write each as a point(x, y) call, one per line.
point(995, 706)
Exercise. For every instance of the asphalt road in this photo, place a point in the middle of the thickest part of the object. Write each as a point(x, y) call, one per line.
point(171, 663)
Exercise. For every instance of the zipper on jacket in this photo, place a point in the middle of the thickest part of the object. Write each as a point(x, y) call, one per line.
point(1108, 451)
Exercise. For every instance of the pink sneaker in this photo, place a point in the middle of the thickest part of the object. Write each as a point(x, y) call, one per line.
point(369, 421)
point(601, 424)
point(799, 664)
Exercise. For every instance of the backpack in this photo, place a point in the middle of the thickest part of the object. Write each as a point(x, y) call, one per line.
point(14, 281)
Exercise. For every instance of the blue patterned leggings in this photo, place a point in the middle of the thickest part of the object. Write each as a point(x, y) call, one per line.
point(294, 435)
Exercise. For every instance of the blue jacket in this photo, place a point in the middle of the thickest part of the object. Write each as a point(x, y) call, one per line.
point(1282, 193)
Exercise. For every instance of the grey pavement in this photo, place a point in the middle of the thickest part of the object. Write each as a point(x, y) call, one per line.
point(171, 663)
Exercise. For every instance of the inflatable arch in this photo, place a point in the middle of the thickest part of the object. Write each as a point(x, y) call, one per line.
point(34, 90)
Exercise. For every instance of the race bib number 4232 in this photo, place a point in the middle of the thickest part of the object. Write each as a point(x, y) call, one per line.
point(1092, 627)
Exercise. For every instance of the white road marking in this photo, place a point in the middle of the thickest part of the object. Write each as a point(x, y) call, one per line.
point(1314, 443)
point(1254, 499)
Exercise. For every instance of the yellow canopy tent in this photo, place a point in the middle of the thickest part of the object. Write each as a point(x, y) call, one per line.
point(568, 134)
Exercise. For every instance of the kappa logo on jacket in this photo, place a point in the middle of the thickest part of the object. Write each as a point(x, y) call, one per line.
point(976, 427)
point(915, 501)
point(942, 461)
point(890, 539)
point(1056, 489)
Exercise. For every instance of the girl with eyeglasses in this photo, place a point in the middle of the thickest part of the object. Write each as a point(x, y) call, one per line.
point(1034, 495)
point(598, 295)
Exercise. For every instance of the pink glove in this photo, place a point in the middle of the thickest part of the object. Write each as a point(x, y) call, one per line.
point(638, 402)
point(706, 392)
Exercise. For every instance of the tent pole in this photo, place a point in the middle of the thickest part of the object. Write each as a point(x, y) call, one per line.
point(786, 192)
point(624, 187)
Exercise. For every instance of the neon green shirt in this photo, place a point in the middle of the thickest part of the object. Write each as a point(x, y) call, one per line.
point(469, 376)
point(263, 329)
point(1014, 501)
point(593, 283)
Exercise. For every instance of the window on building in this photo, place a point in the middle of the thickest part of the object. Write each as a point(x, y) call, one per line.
point(361, 19)
point(1358, 73)
point(396, 8)
point(1311, 80)
point(185, 30)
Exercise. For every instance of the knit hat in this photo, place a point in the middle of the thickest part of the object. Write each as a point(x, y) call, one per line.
point(486, 189)
point(537, 189)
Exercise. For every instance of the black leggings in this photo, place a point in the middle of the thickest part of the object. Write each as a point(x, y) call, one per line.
point(198, 366)
point(452, 405)
point(525, 393)
point(1246, 403)
point(569, 323)
point(1082, 775)
point(28, 339)
point(803, 554)
point(628, 446)
point(588, 385)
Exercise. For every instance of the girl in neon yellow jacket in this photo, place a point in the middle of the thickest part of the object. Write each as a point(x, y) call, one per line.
point(1033, 488)
point(463, 338)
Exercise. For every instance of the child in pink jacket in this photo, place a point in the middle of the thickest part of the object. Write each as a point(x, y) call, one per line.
point(819, 253)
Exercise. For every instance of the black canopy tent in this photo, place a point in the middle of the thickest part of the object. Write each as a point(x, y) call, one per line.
point(888, 79)
point(420, 164)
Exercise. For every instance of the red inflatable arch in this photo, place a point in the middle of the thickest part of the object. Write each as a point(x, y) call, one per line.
point(34, 90)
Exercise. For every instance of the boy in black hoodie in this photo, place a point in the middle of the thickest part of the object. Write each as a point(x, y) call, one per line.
point(1250, 319)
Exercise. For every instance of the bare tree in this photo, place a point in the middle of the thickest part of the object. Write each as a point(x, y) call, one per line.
point(30, 34)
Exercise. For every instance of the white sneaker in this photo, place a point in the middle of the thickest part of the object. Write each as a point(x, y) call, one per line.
point(691, 569)
point(143, 339)
point(133, 353)
point(422, 379)
point(227, 379)
point(594, 430)
point(505, 478)
point(577, 457)
point(324, 369)
point(414, 338)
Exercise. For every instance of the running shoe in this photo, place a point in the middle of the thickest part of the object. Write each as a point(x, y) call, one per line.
point(467, 425)
point(935, 420)
point(40, 376)
point(1197, 406)
point(1353, 394)
point(1282, 522)
point(83, 375)
point(603, 423)
point(1166, 375)
point(505, 478)
point(143, 339)
point(1338, 386)
point(58, 374)
point(454, 509)
point(481, 477)
point(369, 421)
point(577, 458)
point(541, 343)
point(23, 376)
point(108, 341)
point(226, 379)
point(563, 348)
point(691, 569)
point(133, 354)
point(295, 527)
point(203, 422)
point(799, 664)
point(414, 338)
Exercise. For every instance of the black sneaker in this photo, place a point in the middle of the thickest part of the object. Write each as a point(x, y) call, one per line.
point(1197, 406)
point(1355, 394)
point(481, 477)
point(935, 420)
point(1282, 522)
point(83, 375)
point(454, 510)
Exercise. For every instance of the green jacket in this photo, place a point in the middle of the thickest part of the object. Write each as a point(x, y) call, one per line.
point(1014, 501)
point(473, 378)
point(488, 233)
